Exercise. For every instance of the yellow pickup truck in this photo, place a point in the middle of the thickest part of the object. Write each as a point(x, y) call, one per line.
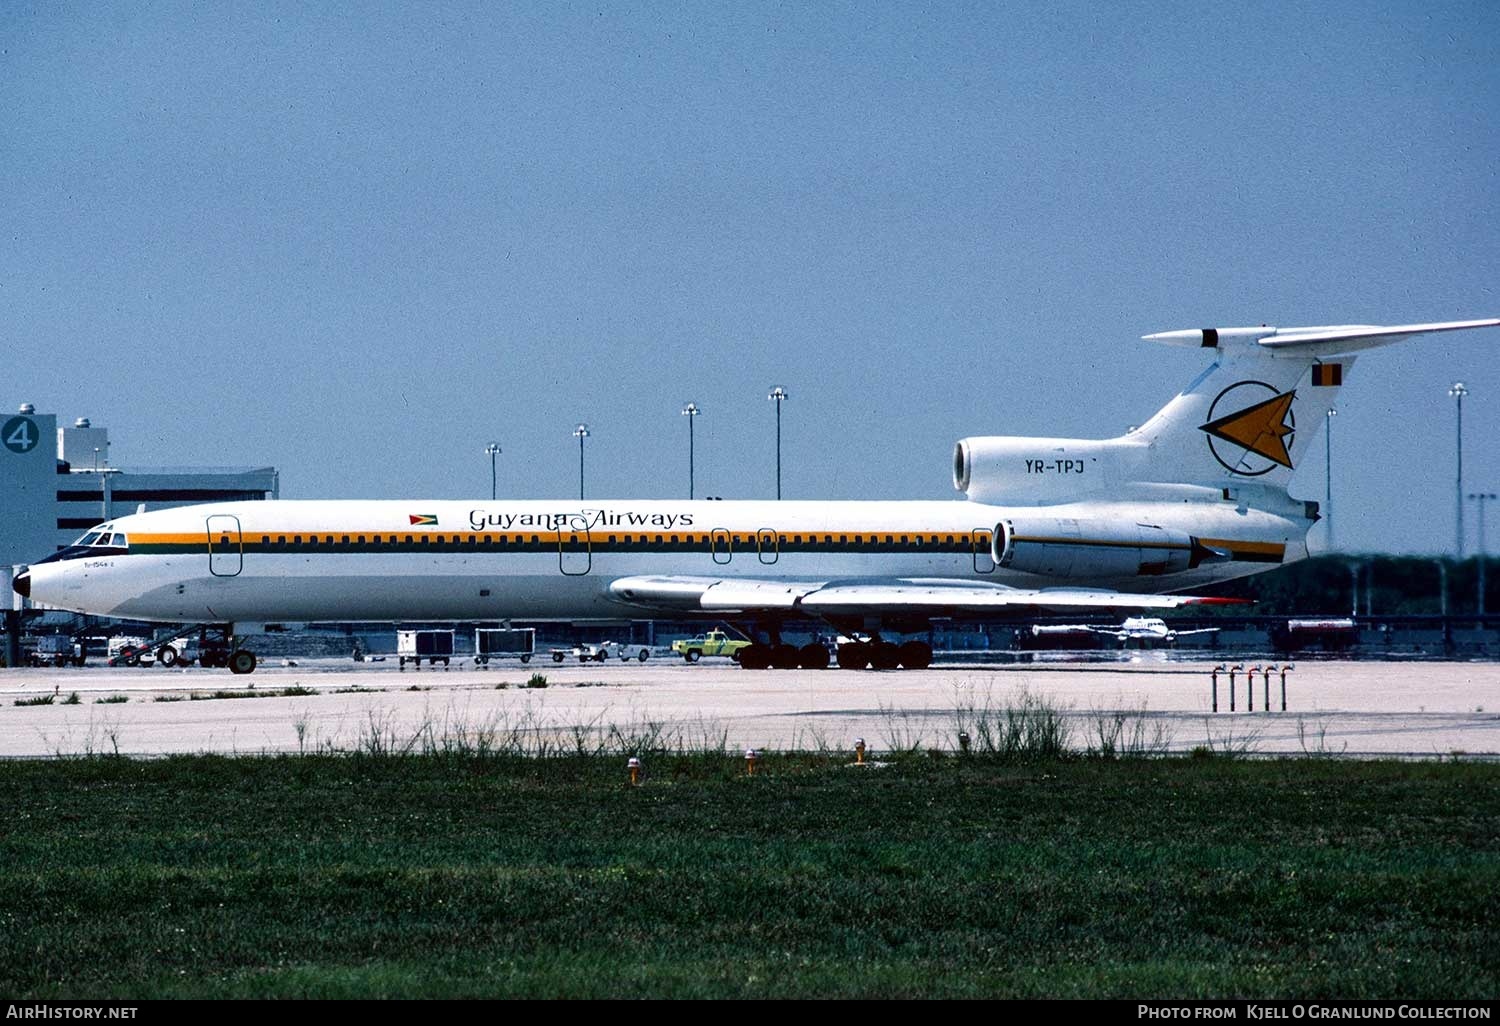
point(714, 643)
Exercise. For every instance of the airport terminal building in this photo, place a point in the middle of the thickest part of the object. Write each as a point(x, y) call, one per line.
point(57, 482)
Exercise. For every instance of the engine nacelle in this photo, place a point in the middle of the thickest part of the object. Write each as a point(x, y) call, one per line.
point(1043, 470)
point(1070, 548)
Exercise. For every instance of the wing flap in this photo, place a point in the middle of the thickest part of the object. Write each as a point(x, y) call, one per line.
point(948, 599)
point(712, 594)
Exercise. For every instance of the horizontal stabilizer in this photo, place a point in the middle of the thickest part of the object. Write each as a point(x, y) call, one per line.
point(1327, 340)
point(1331, 341)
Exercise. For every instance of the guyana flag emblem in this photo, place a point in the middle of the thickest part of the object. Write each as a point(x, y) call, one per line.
point(423, 519)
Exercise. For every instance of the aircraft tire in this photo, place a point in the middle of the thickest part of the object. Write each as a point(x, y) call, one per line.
point(167, 656)
point(915, 655)
point(812, 657)
point(884, 656)
point(243, 661)
point(784, 657)
point(854, 656)
point(755, 657)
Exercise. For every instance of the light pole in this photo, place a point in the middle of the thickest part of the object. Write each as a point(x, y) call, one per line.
point(493, 449)
point(777, 395)
point(1481, 498)
point(690, 411)
point(1458, 391)
point(1328, 472)
point(580, 432)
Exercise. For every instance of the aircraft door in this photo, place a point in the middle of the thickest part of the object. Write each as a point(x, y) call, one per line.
point(721, 545)
point(767, 545)
point(226, 552)
point(575, 551)
point(984, 557)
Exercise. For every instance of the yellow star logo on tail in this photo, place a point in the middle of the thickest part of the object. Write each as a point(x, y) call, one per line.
point(1261, 429)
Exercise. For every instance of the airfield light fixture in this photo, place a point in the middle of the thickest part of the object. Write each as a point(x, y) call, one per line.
point(1328, 473)
point(690, 411)
point(1458, 391)
point(777, 395)
point(1481, 498)
point(493, 449)
point(580, 432)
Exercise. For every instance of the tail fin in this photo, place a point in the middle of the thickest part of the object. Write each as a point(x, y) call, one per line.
point(1252, 415)
point(1247, 420)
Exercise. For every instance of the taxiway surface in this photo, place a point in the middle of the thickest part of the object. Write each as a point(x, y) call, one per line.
point(1413, 709)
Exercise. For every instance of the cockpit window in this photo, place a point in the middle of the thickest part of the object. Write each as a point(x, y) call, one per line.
point(101, 539)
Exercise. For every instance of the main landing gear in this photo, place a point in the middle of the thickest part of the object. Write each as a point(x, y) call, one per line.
point(784, 657)
point(874, 654)
point(885, 655)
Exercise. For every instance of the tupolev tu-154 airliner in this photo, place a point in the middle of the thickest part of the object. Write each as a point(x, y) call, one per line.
point(1194, 496)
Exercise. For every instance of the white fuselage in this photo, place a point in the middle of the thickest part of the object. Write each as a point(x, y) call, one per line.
point(555, 560)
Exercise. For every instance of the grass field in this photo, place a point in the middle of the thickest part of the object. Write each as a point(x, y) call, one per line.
point(464, 875)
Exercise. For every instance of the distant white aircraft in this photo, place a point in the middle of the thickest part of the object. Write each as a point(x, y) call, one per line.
point(1135, 628)
point(1195, 496)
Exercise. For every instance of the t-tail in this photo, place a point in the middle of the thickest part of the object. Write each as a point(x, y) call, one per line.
point(1245, 423)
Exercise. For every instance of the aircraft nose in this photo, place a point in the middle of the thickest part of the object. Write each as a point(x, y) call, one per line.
point(22, 584)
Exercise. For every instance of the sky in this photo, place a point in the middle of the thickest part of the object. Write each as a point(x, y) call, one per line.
point(360, 242)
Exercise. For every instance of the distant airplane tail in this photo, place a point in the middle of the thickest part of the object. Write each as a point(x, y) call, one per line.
point(1248, 419)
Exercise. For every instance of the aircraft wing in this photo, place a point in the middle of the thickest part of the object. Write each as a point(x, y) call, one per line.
point(1199, 630)
point(917, 596)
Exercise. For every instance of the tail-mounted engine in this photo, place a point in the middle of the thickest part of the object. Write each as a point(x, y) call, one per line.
point(1042, 470)
point(1069, 548)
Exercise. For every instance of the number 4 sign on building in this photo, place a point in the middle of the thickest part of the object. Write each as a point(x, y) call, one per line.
point(20, 434)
